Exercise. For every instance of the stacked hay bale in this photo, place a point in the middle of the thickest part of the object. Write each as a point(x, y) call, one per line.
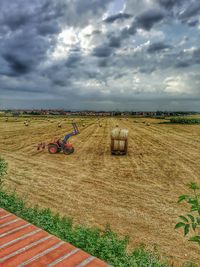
point(119, 141)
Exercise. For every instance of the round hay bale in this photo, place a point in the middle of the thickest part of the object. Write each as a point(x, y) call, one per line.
point(119, 145)
point(6, 119)
point(59, 125)
point(119, 134)
point(83, 124)
point(100, 125)
point(26, 124)
point(148, 124)
point(117, 125)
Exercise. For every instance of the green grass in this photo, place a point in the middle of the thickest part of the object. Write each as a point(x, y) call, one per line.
point(105, 245)
point(183, 120)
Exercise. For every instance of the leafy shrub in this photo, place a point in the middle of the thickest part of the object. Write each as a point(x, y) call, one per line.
point(3, 169)
point(191, 222)
point(185, 121)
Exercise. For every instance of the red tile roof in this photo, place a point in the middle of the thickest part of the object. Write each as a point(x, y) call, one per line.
point(23, 244)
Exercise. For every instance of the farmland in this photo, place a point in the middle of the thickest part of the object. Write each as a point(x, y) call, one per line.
point(136, 194)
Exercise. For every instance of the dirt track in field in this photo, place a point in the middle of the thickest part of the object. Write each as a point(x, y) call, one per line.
point(136, 194)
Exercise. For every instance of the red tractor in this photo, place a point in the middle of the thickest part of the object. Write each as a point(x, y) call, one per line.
point(61, 145)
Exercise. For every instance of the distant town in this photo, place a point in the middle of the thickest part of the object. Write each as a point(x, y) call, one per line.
point(61, 112)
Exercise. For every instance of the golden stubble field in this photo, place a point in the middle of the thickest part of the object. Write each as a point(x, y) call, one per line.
point(136, 194)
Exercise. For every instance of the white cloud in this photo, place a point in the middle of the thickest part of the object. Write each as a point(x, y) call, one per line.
point(67, 39)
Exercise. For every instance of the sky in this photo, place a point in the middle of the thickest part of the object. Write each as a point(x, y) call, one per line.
point(100, 54)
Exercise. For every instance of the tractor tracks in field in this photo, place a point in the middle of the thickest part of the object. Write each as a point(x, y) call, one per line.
point(162, 142)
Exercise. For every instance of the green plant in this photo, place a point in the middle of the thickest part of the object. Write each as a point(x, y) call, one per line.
point(185, 120)
point(191, 221)
point(3, 170)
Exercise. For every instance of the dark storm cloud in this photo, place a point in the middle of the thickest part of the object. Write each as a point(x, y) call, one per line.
point(17, 65)
point(129, 31)
point(24, 51)
point(73, 60)
point(64, 51)
point(158, 47)
point(193, 9)
point(117, 17)
point(48, 28)
point(196, 55)
point(102, 51)
point(147, 19)
point(193, 23)
point(102, 63)
point(182, 64)
point(16, 21)
point(169, 4)
point(183, 10)
point(114, 41)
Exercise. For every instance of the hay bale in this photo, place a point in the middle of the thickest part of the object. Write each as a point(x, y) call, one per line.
point(119, 134)
point(117, 125)
point(119, 141)
point(59, 125)
point(6, 119)
point(100, 125)
point(119, 145)
point(83, 124)
point(148, 124)
point(26, 124)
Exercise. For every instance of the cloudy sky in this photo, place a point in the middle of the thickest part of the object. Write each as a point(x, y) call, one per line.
point(100, 54)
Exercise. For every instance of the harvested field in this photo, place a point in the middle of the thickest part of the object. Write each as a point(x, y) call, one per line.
point(136, 194)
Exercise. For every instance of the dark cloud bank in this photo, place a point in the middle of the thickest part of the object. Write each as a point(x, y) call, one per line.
point(85, 54)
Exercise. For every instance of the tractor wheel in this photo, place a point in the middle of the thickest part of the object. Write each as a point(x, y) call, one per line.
point(53, 149)
point(68, 151)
